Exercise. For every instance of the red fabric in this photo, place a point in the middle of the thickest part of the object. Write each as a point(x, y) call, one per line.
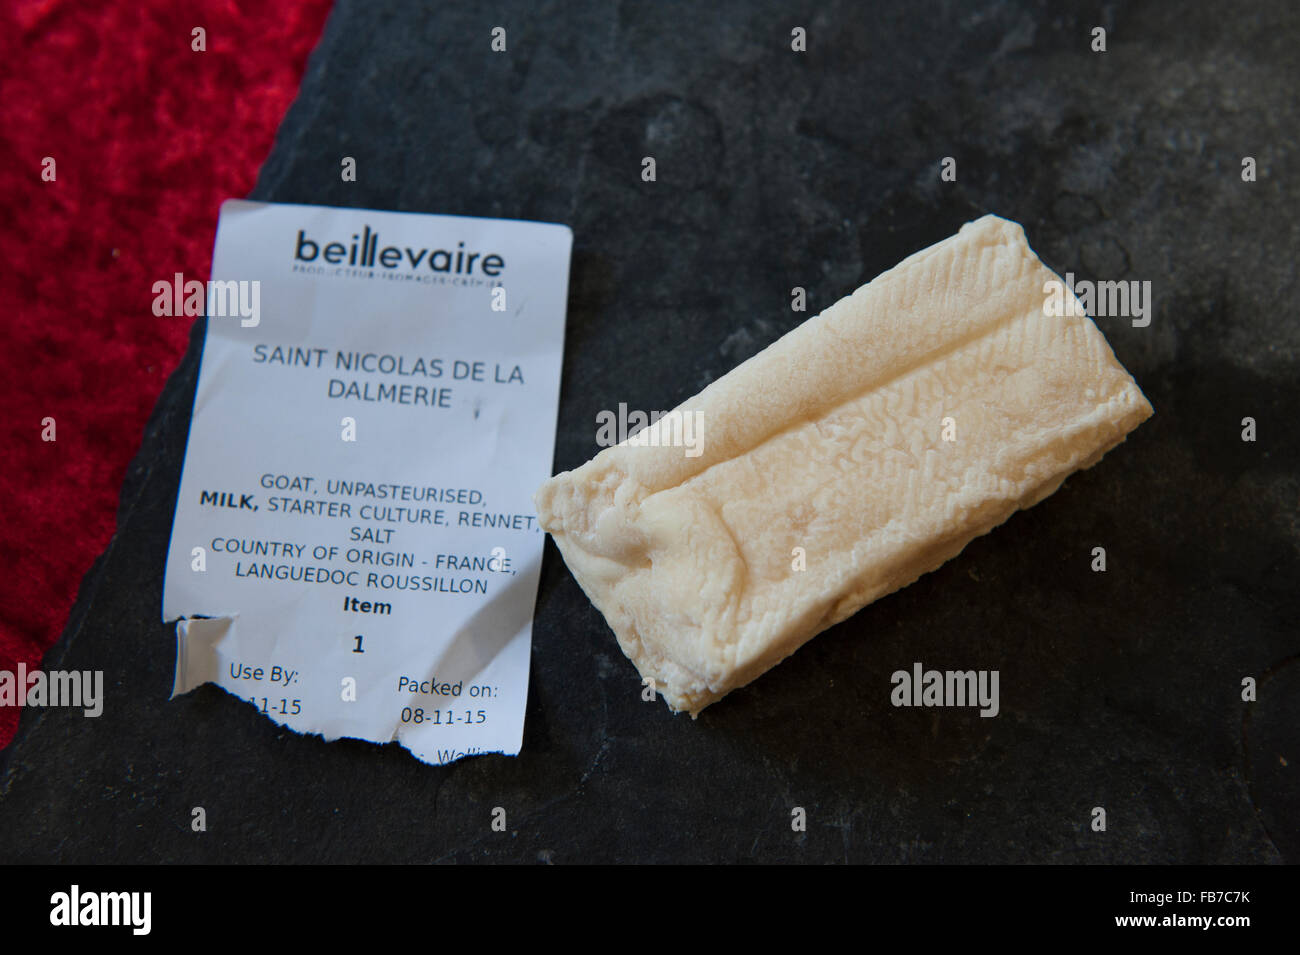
point(148, 137)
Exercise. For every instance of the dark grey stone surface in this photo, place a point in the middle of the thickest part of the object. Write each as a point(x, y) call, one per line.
point(778, 169)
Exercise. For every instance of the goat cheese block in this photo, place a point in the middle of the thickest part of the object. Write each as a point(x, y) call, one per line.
point(864, 448)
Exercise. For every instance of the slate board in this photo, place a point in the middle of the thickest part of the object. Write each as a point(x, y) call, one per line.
point(778, 169)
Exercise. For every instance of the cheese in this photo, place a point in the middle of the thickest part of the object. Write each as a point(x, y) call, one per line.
point(861, 450)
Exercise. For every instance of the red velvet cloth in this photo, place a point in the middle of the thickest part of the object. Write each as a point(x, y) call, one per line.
point(148, 137)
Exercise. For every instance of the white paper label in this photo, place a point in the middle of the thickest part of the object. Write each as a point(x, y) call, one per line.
point(376, 405)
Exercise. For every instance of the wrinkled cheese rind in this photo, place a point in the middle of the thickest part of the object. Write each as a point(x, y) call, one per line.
point(831, 440)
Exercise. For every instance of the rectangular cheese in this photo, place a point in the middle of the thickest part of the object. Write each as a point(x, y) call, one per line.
point(866, 447)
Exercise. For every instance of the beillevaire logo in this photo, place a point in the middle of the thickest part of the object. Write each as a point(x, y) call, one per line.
point(364, 252)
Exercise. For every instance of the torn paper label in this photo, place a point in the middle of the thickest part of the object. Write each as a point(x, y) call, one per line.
point(355, 549)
